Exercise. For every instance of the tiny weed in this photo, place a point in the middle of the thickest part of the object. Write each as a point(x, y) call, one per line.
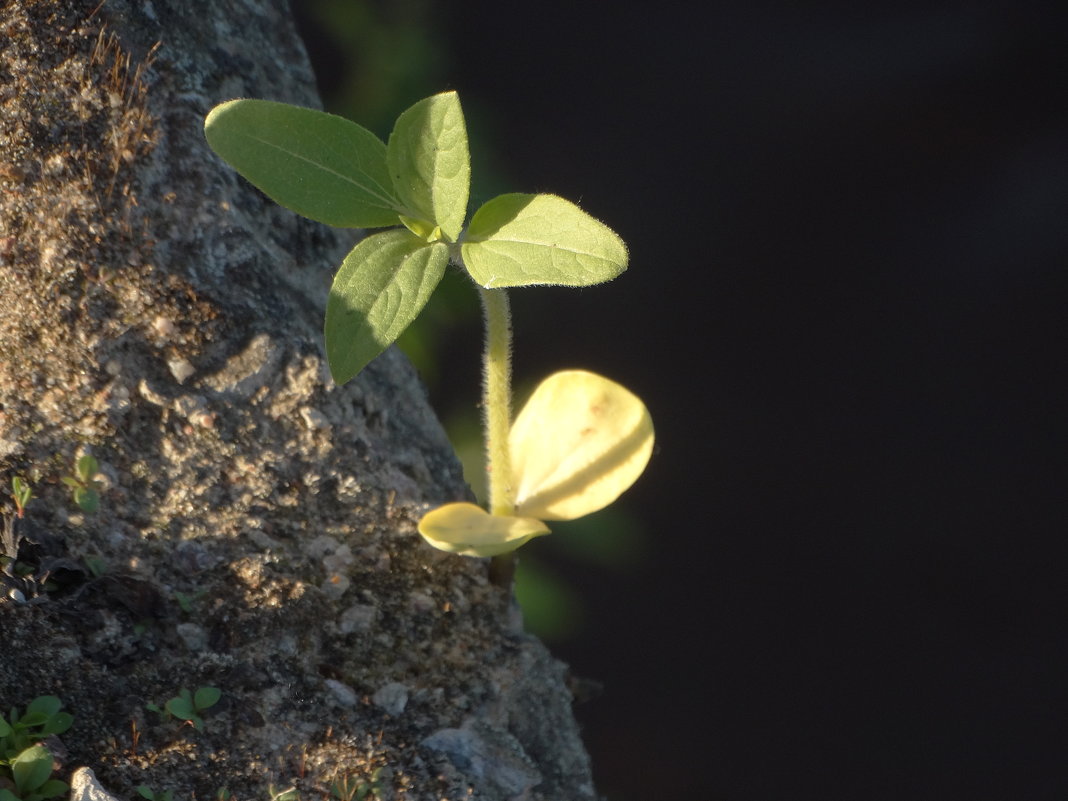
point(147, 792)
point(189, 706)
point(350, 788)
point(289, 794)
point(83, 483)
point(22, 494)
point(26, 764)
point(186, 601)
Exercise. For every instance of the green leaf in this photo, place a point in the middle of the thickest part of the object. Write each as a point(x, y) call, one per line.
point(31, 768)
point(41, 709)
point(5, 727)
point(22, 490)
point(316, 164)
point(206, 697)
point(87, 467)
point(430, 165)
point(53, 788)
point(381, 287)
point(87, 498)
point(182, 707)
point(421, 228)
point(7, 795)
point(57, 724)
point(519, 240)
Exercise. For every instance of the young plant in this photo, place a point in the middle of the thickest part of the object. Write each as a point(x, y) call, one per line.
point(289, 794)
point(187, 601)
point(83, 483)
point(25, 763)
point(582, 439)
point(145, 791)
point(189, 706)
point(22, 494)
point(350, 788)
point(9, 538)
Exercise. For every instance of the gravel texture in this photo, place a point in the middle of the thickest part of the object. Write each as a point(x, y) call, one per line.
point(256, 527)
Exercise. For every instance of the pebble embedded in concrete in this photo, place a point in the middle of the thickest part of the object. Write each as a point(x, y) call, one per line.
point(342, 693)
point(391, 698)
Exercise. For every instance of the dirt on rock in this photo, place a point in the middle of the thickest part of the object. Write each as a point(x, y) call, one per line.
point(256, 527)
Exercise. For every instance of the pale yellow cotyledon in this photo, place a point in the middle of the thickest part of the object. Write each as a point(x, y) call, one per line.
point(577, 445)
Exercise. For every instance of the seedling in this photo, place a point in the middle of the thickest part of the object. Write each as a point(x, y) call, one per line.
point(9, 538)
point(289, 794)
point(25, 764)
point(581, 440)
point(186, 600)
point(83, 483)
point(145, 791)
point(22, 494)
point(349, 788)
point(189, 706)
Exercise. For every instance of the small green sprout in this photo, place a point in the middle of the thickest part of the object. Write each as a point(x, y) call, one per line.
point(189, 706)
point(289, 794)
point(582, 440)
point(84, 485)
point(22, 494)
point(26, 764)
point(350, 788)
point(145, 791)
point(186, 600)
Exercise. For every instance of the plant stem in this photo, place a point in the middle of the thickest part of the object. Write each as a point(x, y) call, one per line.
point(497, 399)
point(497, 418)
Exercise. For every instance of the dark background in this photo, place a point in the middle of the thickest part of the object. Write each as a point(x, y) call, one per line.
point(846, 311)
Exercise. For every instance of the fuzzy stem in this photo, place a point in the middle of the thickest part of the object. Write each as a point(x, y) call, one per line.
point(497, 399)
point(497, 418)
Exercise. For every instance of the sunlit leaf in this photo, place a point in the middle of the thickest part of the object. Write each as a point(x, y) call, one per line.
point(470, 530)
point(430, 165)
point(577, 444)
point(87, 467)
point(382, 285)
point(519, 240)
point(426, 231)
point(31, 768)
point(316, 164)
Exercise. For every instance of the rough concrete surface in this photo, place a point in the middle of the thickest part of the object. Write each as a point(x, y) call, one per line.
point(256, 526)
